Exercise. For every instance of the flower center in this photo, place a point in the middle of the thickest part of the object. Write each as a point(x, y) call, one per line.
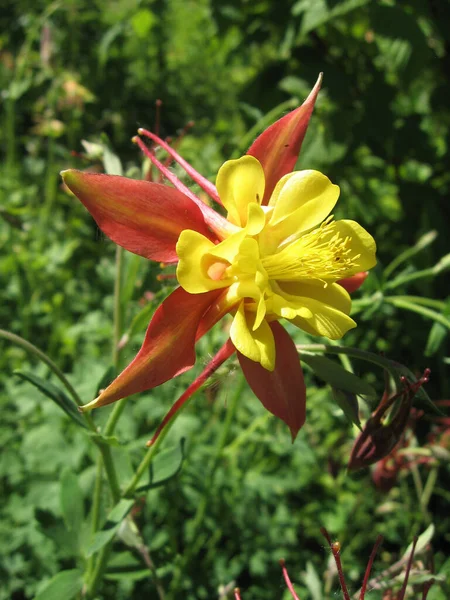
point(322, 254)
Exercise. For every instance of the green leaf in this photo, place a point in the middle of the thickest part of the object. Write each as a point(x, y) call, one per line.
point(331, 372)
point(141, 320)
point(111, 161)
point(65, 585)
point(313, 582)
point(436, 336)
point(437, 333)
point(165, 466)
point(54, 393)
point(72, 503)
point(106, 378)
point(401, 41)
point(133, 264)
point(318, 12)
point(422, 542)
point(107, 40)
point(348, 403)
point(113, 522)
point(423, 242)
point(428, 313)
point(132, 574)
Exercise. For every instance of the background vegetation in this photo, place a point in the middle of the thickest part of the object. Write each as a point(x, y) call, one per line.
point(244, 496)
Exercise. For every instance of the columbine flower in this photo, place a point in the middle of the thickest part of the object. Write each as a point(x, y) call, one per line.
point(278, 254)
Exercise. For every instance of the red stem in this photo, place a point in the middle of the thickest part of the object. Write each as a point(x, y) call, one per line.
point(222, 355)
point(206, 185)
point(287, 580)
point(335, 548)
point(369, 567)
point(166, 172)
point(408, 569)
point(216, 222)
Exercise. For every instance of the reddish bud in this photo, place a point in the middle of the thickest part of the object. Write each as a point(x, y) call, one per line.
point(377, 440)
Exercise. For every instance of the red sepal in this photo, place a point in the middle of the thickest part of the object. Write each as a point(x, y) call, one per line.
point(168, 349)
point(278, 147)
point(353, 283)
point(143, 217)
point(281, 391)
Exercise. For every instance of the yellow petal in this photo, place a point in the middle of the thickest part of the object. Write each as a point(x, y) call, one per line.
point(301, 200)
point(326, 320)
point(289, 310)
point(248, 256)
point(193, 250)
point(256, 219)
point(361, 243)
point(239, 183)
point(258, 345)
point(229, 248)
point(333, 294)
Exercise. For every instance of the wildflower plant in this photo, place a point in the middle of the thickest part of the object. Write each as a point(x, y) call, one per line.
point(269, 254)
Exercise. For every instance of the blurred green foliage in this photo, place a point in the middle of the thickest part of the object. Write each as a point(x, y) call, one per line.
point(75, 70)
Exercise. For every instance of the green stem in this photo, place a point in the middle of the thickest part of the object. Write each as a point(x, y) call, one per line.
point(105, 552)
point(418, 485)
point(406, 279)
point(145, 462)
point(95, 513)
point(115, 416)
point(50, 188)
point(111, 474)
point(417, 480)
point(118, 307)
point(429, 487)
point(102, 560)
point(362, 303)
point(222, 355)
point(192, 548)
point(422, 243)
point(375, 359)
point(399, 302)
point(345, 360)
point(431, 302)
point(32, 349)
point(99, 569)
point(10, 133)
point(117, 334)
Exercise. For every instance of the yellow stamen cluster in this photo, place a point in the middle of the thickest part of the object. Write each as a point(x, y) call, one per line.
point(321, 254)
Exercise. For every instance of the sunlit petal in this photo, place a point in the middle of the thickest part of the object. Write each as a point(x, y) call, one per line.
point(240, 182)
point(257, 345)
